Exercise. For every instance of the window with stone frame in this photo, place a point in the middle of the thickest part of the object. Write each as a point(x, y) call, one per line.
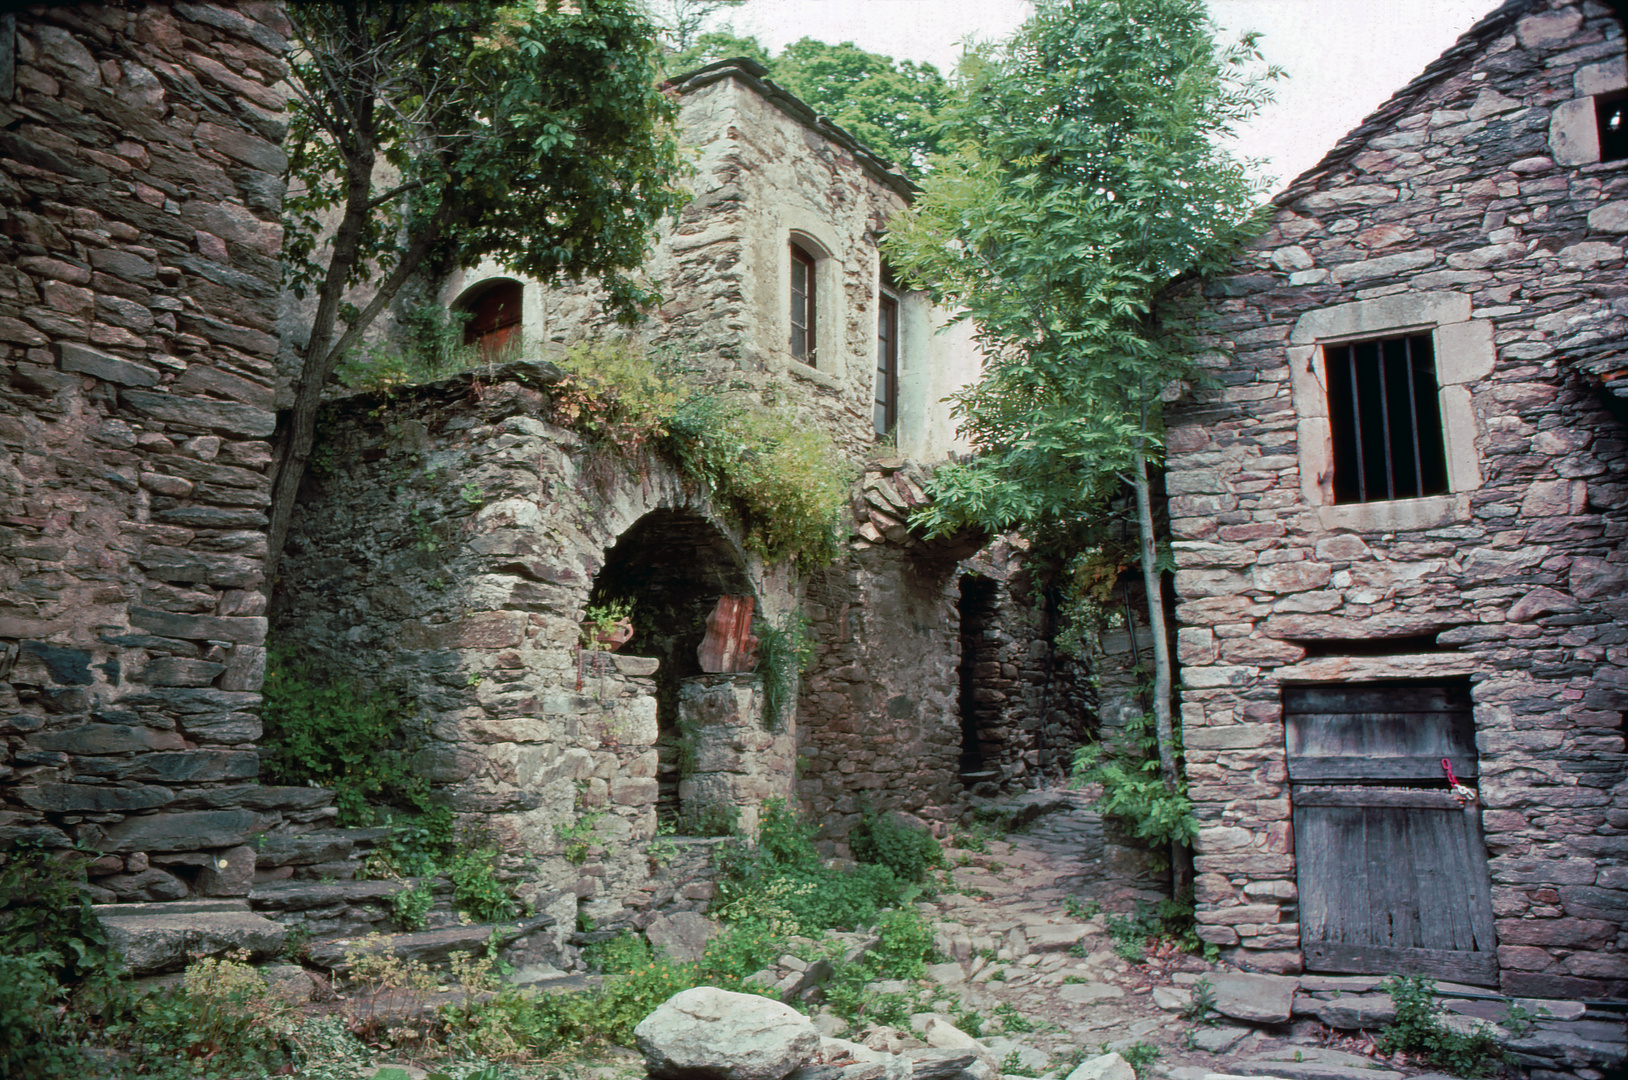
point(1384, 419)
point(804, 324)
point(1611, 123)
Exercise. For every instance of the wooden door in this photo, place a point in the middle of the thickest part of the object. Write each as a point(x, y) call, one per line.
point(1392, 871)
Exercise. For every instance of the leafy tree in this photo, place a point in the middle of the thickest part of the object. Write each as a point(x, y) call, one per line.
point(681, 22)
point(438, 133)
point(1088, 176)
point(892, 106)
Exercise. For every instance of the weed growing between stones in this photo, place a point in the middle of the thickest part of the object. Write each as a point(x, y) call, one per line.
point(786, 651)
point(1418, 1031)
point(1150, 925)
point(327, 730)
point(1137, 1055)
point(1133, 792)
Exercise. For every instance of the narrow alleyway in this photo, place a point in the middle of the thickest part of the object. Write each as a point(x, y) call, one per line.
point(1044, 979)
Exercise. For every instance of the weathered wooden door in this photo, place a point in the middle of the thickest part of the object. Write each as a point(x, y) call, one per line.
point(1392, 870)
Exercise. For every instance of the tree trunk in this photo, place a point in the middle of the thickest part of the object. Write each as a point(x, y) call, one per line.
point(298, 435)
point(1164, 728)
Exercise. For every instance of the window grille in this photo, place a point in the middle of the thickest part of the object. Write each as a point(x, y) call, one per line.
point(1385, 419)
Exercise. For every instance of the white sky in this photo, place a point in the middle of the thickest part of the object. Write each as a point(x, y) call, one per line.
point(1343, 57)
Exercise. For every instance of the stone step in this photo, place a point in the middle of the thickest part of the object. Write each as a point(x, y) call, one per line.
point(317, 846)
point(305, 895)
point(427, 946)
point(165, 937)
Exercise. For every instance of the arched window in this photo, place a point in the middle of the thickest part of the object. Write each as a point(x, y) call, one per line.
point(494, 317)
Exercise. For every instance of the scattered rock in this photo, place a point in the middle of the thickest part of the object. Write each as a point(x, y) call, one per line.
point(1171, 999)
point(1106, 1067)
point(1217, 1040)
point(711, 1034)
point(1260, 999)
point(1085, 993)
point(683, 936)
point(1353, 1011)
point(947, 974)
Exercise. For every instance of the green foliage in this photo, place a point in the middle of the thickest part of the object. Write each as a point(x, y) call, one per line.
point(429, 346)
point(220, 1022)
point(1088, 172)
point(786, 650)
point(1138, 1055)
point(891, 106)
point(1012, 1021)
point(1082, 909)
point(46, 915)
point(1133, 792)
point(906, 947)
point(784, 871)
point(476, 890)
point(322, 728)
point(415, 846)
point(600, 620)
point(1419, 1032)
point(1201, 1008)
point(35, 1044)
point(1168, 920)
point(411, 906)
point(619, 955)
point(908, 852)
point(780, 478)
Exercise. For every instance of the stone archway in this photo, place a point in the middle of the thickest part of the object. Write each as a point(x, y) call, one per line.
point(673, 565)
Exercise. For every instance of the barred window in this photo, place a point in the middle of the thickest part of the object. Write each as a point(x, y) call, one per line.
point(1385, 419)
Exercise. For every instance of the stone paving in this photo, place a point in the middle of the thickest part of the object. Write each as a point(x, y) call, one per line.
point(1049, 989)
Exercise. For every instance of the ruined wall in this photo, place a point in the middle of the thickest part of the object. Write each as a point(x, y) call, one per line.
point(445, 547)
point(1463, 209)
point(139, 203)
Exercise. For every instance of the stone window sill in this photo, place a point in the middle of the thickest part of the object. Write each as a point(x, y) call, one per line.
point(1397, 515)
point(813, 375)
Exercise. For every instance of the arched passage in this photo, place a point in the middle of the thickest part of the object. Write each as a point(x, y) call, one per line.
point(672, 565)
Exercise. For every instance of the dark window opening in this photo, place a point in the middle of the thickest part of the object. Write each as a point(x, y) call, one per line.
point(886, 410)
point(802, 305)
point(494, 319)
point(979, 662)
point(1385, 419)
point(1611, 116)
point(1391, 646)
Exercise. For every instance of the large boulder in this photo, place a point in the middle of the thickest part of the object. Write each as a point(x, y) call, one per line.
point(709, 1034)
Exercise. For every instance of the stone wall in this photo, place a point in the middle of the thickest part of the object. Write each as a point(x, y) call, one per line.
point(1462, 209)
point(445, 547)
point(880, 720)
point(139, 203)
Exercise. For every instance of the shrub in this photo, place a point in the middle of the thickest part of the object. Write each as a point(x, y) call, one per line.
point(1133, 792)
point(1418, 1031)
point(34, 1042)
point(219, 1022)
point(326, 730)
point(884, 840)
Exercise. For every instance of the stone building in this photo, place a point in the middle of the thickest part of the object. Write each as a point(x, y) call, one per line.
point(140, 194)
point(455, 534)
point(1399, 514)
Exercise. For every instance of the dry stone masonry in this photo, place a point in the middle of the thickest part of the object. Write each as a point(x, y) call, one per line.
point(1472, 208)
point(140, 192)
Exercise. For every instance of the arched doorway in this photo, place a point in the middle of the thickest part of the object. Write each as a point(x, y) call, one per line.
point(494, 309)
point(672, 565)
